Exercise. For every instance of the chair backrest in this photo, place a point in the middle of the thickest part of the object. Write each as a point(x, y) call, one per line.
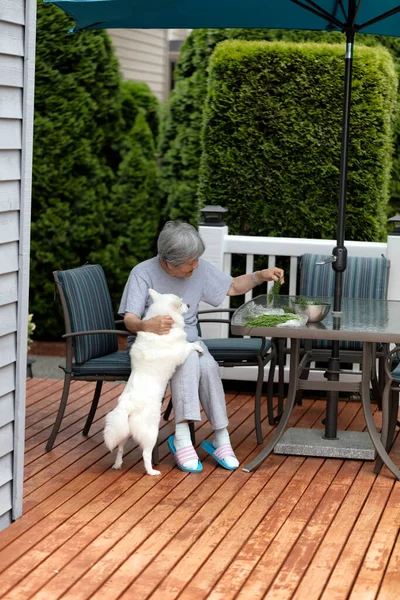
point(87, 306)
point(365, 277)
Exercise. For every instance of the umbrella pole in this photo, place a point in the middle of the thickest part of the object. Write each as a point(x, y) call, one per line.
point(340, 251)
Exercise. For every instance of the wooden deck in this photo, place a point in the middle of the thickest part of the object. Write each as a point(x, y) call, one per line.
point(301, 528)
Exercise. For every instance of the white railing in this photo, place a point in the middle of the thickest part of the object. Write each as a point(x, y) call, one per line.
point(220, 247)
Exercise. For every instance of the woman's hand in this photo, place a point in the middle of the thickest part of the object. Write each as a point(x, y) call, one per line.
point(273, 274)
point(160, 325)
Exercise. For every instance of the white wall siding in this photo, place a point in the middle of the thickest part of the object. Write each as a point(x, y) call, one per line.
point(10, 134)
point(12, 11)
point(10, 103)
point(17, 47)
point(143, 56)
point(9, 195)
point(8, 258)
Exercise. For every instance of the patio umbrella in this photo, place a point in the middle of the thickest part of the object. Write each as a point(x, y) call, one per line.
point(380, 17)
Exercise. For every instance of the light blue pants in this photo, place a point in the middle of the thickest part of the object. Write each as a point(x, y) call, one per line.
point(198, 381)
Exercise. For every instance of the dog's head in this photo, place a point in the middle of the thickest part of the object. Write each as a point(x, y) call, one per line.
point(167, 304)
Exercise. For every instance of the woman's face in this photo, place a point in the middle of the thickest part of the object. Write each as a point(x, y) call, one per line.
point(185, 270)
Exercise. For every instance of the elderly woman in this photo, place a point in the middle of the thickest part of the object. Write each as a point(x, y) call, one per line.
point(178, 269)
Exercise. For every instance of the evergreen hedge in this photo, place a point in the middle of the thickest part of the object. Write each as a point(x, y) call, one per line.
point(136, 96)
point(180, 145)
point(272, 136)
point(135, 199)
point(83, 142)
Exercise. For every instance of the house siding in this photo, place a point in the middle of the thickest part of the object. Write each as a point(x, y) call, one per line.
point(143, 56)
point(17, 44)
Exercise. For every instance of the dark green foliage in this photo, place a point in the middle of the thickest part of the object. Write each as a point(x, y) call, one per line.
point(77, 111)
point(83, 123)
point(136, 208)
point(272, 135)
point(180, 146)
point(136, 95)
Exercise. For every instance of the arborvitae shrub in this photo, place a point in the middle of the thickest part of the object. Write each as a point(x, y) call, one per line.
point(136, 201)
point(137, 95)
point(272, 137)
point(82, 145)
point(180, 140)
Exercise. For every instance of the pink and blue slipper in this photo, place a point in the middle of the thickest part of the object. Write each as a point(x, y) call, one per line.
point(183, 455)
point(220, 453)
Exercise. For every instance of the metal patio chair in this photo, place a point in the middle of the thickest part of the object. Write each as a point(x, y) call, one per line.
point(390, 402)
point(91, 337)
point(365, 277)
point(241, 352)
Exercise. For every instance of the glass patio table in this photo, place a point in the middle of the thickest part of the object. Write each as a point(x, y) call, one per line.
point(361, 320)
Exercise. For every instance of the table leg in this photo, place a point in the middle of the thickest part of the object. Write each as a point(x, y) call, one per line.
point(293, 378)
point(368, 352)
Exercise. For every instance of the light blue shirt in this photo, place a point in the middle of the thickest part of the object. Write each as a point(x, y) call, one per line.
point(206, 284)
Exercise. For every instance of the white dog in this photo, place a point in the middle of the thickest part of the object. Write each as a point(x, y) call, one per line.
point(154, 359)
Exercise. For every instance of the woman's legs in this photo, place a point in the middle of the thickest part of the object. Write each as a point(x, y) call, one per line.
point(198, 380)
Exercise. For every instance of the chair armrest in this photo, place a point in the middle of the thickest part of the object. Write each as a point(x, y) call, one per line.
point(392, 355)
point(97, 332)
point(215, 310)
point(226, 321)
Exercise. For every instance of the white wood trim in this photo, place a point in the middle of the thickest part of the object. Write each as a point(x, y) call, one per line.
point(240, 244)
point(11, 39)
point(11, 71)
point(249, 269)
point(24, 248)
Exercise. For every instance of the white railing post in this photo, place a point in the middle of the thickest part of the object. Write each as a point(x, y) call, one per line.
point(393, 254)
point(213, 235)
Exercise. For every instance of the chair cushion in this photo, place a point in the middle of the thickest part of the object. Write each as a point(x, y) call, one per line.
point(116, 363)
point(89, 307)
point(236, 349)
point(365, 277)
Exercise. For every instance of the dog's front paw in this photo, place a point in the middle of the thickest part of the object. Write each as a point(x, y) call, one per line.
point(198, 347)
point(153, 472)
point(117, 465)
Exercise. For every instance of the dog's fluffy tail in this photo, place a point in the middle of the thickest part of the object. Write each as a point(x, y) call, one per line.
point(116, 430)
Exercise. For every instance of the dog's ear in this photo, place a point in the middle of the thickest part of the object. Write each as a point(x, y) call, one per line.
point(153, 294)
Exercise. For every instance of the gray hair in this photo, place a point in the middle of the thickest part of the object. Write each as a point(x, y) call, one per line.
point(179, 243)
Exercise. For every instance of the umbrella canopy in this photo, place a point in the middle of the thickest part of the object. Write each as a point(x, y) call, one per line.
point(380, 17)
point(371, 15)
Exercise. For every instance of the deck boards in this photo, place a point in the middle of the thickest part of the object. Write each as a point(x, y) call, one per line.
point(297, 528)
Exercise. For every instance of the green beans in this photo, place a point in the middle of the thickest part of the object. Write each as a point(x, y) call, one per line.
point(274, 293)
point(270, 320)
